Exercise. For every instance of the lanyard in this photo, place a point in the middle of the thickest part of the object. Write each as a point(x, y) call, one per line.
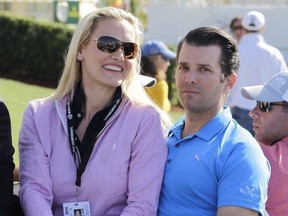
point(97, 123)
point(72, 135)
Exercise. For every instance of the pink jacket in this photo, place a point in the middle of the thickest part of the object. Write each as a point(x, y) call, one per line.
point(122, 178)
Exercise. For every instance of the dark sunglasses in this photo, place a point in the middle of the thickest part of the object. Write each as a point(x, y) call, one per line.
point(266, 106)
point(235, 28)
point(110, 45)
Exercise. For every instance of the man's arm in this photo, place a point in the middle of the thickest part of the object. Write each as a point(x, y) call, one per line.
point(236, 211)
point(6, 151)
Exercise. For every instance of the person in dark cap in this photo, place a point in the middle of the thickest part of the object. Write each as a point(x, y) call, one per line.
point(258, 62)
point(270, 123)
point(155, 62)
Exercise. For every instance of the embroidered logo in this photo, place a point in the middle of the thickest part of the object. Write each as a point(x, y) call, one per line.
point(114, 147)
point(278, 85)
point(250, 191)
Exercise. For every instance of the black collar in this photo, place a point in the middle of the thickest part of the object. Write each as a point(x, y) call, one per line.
point(77, 103)
point(79, 100)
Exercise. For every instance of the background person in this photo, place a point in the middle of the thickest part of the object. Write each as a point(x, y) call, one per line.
point(159, 55)
point(258, 62)
point(98, 140)
point(270, 123)
point(9, 203)
point(236, 28)
point(149, 69)
point(211, 167)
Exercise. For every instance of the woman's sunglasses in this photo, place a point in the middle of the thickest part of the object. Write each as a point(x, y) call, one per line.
point(236, 28)
point(110, 45)
point(267, 106)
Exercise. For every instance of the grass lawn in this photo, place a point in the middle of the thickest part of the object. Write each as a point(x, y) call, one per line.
point(16, 95)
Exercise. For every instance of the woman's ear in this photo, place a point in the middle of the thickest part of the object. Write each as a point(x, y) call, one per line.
point(80, 56)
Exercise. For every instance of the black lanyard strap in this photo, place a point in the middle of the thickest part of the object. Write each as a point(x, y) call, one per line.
point(97, 123)
point(73, 139)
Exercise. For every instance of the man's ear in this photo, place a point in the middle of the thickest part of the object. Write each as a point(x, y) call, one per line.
point(231, 80)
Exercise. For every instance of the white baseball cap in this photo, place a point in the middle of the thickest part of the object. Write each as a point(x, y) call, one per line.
point(146, 81)
point(253, 21)
point(274, 90)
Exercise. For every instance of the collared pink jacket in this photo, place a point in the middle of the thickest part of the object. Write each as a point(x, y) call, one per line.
point(123, 177)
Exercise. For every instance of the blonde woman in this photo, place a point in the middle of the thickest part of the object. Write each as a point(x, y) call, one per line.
point(98, 143)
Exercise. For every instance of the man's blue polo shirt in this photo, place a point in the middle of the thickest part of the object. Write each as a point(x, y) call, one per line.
point(220, 165)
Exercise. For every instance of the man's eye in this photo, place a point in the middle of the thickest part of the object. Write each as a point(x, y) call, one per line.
point(182, 67)
point(204, 69)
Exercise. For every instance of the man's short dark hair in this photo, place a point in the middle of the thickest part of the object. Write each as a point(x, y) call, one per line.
point(207, 36)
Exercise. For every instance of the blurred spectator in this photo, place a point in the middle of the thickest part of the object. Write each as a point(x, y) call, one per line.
point(9, 203)
point(258, 62)
point(155, 62)
point(270, 123)
point(236, 28)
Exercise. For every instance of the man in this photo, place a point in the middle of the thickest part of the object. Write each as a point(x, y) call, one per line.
point(9, 203)
point(212, 168)
point(258, 62)
point(270, 123)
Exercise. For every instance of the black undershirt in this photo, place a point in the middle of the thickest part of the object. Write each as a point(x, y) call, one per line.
point(95, 126)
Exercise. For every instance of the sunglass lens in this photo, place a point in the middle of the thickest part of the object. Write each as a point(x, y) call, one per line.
point(236, 28)
point(130, 50)
point(264, 106)
point(108, 44)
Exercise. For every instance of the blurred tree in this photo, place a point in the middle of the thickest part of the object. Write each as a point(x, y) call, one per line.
point(115, 3)
point(136, 7)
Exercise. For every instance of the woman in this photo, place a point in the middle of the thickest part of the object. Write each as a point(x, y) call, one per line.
point(155, 62)
point(236, 28)
point(98, 142)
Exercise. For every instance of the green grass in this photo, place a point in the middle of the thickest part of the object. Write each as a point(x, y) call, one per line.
point(16, 95)
point(176, 115)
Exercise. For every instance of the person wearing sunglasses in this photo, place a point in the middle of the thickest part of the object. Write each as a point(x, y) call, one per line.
point(270, 123)
point(258, 62)
point(97, 143)
point(214, 166)
point(236, 28)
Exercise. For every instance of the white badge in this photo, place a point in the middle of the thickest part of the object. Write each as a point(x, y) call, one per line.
point(76, 209)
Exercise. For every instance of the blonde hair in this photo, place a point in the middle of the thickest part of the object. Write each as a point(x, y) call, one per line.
point(71, 75)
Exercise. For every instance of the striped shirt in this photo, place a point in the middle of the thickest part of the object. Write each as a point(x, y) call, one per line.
point(277, 155)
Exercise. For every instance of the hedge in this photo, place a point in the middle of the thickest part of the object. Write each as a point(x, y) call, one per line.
point(32, 49)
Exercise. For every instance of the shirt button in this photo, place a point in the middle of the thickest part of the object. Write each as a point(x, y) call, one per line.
point(177, 145)
point(79, 115)
point(169, 160)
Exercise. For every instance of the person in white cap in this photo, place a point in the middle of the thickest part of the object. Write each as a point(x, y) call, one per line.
point(155, 61)
point(270, 123)
point(258, 62)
